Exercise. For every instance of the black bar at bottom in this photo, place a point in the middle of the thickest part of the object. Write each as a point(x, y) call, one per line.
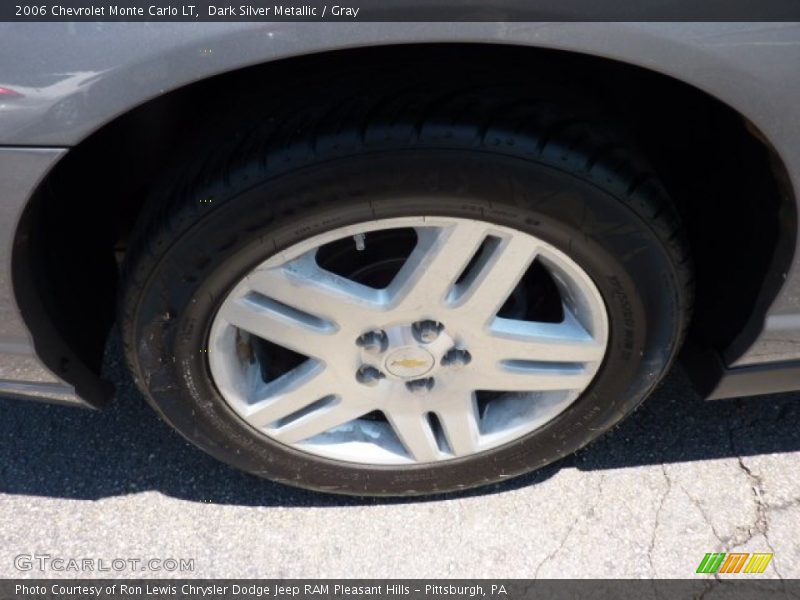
point(741, 586)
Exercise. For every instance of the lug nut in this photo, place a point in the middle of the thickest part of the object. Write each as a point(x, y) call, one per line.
point(374, 342)
point(369, 375)
point(456, 358)
point(427, 331)
point(420, 386)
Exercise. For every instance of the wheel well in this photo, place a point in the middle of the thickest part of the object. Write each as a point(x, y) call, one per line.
point(728, 183)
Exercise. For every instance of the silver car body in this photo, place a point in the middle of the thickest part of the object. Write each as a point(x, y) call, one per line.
point(75, 77)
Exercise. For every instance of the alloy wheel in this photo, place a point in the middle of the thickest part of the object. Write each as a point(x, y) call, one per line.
point(426, 355)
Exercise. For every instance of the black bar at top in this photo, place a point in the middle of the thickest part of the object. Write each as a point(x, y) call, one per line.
point(400, 10)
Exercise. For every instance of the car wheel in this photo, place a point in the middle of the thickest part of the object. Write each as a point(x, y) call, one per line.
point(365, 311)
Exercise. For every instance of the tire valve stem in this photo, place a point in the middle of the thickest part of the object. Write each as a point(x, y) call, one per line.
point(360, 239)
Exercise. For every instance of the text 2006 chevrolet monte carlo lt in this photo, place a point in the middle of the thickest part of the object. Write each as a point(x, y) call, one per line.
point(398, 258)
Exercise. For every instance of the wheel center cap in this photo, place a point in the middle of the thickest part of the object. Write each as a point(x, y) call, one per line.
point(409, 362)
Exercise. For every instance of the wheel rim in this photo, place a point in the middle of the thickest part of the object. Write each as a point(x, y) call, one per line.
point(426, 368)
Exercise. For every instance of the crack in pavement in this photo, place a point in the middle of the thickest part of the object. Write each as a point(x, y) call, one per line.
point(572, 526)
point(657, 521)
point(723, 541)
point(761, 524)
point(656, 524)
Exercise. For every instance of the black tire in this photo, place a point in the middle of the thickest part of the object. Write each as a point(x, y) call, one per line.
point(535, 167)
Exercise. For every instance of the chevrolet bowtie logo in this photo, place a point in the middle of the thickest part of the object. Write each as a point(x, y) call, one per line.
point(409, 363)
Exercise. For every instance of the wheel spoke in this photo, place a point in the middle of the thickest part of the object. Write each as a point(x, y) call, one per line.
point(326, 417)
point(494, 279)
point(531, 376)
point(440, 256)
point(303, 285)
point(567, 341)
point(290, 393)
point(460, 423)
point(280, 324)
point(414, 431)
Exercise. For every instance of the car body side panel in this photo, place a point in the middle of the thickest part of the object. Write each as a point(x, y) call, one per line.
point(71, 78)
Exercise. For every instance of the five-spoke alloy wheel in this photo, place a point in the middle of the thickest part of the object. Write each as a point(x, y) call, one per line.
point(422, 369)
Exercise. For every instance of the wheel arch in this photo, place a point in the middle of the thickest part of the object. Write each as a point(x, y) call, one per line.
point(64, 261)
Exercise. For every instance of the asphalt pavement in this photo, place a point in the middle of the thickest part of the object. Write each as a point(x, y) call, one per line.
point(679, 479)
